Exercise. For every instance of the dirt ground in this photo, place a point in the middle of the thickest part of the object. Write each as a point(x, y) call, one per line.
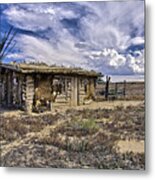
point(132, 145)
point(103, 135)
point(63, 108)
point(104, 104)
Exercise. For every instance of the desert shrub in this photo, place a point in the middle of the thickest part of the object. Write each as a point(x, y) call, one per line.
point(78, 127)
point(88, 124)
point(12, 129)
point(77, 145)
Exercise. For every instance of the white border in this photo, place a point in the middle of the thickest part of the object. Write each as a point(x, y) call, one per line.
point(69, 174)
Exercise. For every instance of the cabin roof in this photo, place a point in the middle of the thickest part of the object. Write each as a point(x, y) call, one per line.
point(42, 68)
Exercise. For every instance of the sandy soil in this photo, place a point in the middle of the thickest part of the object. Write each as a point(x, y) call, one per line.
point(63, 108)
point(130, 146)
point(109, 104)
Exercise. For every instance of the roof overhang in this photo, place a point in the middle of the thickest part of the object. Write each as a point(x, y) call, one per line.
point(39, 68)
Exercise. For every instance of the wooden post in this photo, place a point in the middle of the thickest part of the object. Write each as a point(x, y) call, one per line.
point(116, 90)
point(74, 91)
point(11, 86)
point(69, 91)
point(0, 87)
point(92, 88)
point(14, 89)
point(23, 91)
point(66, 92)
point(9, 89)
point(5, 88)
point(29, 93)
point(51, 105)
point(19, 93)
point(124, 89)
point(107, 87)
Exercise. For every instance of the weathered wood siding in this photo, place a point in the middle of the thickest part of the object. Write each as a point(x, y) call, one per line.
point(11, 88)
point(18, 89)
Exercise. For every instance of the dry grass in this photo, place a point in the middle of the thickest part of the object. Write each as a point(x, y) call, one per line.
point(75, 138)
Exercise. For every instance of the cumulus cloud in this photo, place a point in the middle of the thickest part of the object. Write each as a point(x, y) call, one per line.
point(92, 35)
point(110, 57)
point(137, 40)
point(136, 62)
point(111, 60)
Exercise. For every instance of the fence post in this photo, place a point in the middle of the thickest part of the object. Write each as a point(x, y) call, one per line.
point(107, 87)
point(116, 90)
point(124, 89)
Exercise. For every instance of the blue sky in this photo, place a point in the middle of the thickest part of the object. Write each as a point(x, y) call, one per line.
point(104, 36)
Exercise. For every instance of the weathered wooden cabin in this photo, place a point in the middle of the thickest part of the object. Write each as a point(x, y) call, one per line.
point(29, 86)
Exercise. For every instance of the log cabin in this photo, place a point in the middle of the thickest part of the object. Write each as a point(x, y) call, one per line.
point(31, 86)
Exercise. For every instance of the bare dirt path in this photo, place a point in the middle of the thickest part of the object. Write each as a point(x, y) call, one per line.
point(130, 146)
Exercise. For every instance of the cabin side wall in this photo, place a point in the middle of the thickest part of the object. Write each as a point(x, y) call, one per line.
point(11, 88)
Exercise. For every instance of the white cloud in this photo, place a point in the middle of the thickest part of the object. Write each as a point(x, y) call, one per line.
point(111, 23)
point(106, 31)
point(111, 59)
point(137, 40)
point(23, 19)
point(36, 17)
point(39, 50)
point(136, 63)
point(15, 56)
